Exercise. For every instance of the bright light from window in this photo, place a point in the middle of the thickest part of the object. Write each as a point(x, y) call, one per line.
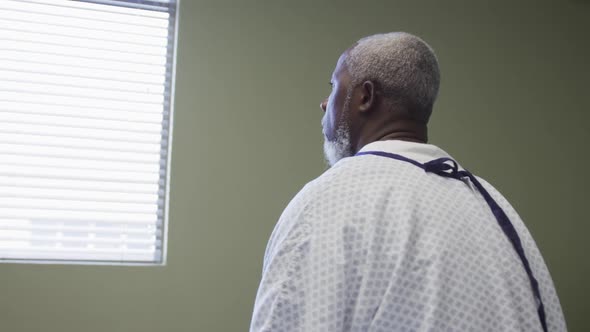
point(85, 114)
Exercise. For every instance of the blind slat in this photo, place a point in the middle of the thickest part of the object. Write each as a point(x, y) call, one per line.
point(98, 224)
point(16, 162)
point(121, 7)
point(70, 255)
point(79, 184)
point(128, 8)
point(66, 92)
point(85, 143)
point(75, 63)
point(65, 194)
point(13, 94)
point(101, 75)
point(77, 205)
point(124, 29)
point(81, 82)
point(162, 7)
point(79, 122)
point(82, 164)
point(84, 52)
point(68, 12)
point(75, 153)
point(64, 240)
point(106, 134)
point(17, 26)
point(65, 215)
point(86, 113)
point(130, 47)
point(22, 225)
point(82, 174)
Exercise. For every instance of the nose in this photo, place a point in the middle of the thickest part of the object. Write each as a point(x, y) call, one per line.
point(323, 104)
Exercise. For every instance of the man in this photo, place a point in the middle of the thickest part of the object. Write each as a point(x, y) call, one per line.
point(395, 236)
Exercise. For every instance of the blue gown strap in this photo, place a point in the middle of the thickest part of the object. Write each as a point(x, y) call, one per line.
point(447, 167)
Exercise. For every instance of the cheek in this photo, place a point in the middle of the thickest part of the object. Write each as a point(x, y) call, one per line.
point(329, 121)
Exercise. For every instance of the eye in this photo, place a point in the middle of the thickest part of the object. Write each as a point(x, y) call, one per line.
point(331, 84)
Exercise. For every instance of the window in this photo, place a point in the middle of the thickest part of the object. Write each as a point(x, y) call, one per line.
point(85, 129)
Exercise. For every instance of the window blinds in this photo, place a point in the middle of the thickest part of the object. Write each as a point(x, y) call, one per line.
point(85, 121)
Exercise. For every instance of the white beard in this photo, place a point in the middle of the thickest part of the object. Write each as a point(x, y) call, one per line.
point(339, 148)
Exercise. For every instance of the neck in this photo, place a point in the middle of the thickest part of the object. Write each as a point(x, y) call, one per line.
point(403, 130)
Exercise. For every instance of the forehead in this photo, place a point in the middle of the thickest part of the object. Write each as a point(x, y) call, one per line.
point(341, 66)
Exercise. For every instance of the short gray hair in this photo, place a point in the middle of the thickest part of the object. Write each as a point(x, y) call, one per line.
point(402, 66)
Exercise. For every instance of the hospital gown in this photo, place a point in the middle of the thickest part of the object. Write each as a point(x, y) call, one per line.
point(376, 244)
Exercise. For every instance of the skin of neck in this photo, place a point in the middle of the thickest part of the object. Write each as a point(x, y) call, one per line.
point(382, 122)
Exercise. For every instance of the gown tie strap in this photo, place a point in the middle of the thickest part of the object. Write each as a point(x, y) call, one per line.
point(447, 167)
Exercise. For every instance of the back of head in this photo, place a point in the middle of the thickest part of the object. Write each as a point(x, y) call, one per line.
point(403, 67)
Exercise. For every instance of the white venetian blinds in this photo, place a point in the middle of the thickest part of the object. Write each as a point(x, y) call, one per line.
point(85, 114)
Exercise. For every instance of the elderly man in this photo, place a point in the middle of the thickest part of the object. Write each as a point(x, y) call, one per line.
point(396, 236)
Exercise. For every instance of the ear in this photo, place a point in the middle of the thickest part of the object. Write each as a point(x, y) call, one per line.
point(367, 96)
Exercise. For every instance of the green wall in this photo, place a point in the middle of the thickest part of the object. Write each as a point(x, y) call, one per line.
point(513, 107)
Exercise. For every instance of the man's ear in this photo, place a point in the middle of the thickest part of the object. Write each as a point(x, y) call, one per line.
point(367, 96)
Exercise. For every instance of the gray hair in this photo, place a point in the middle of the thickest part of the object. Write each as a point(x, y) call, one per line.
point(402, 66)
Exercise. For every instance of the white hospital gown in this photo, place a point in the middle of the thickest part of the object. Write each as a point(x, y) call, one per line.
point(376, 244)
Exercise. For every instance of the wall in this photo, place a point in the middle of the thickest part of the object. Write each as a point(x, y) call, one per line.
point(251, 75)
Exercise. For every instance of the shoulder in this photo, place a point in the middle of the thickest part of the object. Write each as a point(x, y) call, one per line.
point(354, 183)
point(352, 189)
point(317, 197)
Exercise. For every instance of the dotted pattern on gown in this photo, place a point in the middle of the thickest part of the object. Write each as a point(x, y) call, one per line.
point(376, 244)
